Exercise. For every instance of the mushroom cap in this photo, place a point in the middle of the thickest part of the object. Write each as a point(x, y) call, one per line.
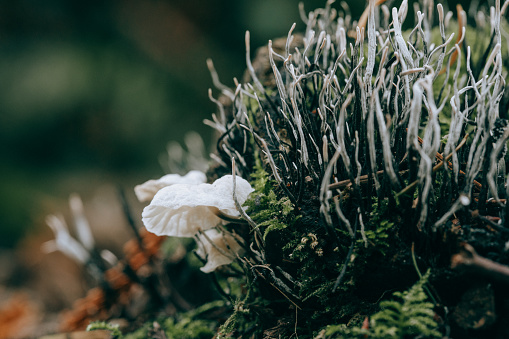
point(213, 251)
point(181, 210)
point(147, 190)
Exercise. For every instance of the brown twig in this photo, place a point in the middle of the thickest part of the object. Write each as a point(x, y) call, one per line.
point(363, 180)
point(436, 168)
point(469, 259)
point(440, 157)
point(491, 223)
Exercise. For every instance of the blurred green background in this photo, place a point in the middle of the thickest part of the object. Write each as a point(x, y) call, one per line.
point(92, 91)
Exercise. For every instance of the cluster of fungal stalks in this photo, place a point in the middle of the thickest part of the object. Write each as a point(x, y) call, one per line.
point(376, 118)
point(360, 127)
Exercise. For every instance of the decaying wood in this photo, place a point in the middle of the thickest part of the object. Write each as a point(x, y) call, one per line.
point(468, 259)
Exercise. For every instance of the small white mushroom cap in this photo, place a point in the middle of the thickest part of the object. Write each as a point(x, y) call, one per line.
point(147, 190)
point(217, 248)
point(183, 210)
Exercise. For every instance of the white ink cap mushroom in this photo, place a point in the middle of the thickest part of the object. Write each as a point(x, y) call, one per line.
point(147, 190)
point(217, 248)
point(182, 210)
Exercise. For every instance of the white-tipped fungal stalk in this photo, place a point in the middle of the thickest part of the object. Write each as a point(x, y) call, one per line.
point(63, 241)
point(83, 231)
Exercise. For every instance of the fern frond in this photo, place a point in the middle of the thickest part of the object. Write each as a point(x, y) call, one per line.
point(407, 316)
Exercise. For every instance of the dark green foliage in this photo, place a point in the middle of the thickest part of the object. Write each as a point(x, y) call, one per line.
point(408, 316)
point(383, 225)
point(270, 212)
point(188, 329)
point(379, 236)
point(188, 325)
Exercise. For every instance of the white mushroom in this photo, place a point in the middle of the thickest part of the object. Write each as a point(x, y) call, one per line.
point(217, 248)
point(182, 210)
point(147, 190)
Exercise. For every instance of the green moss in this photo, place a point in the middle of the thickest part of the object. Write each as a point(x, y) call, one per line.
point(270, 212)
point(102, 325)
point(188, 329)
point(382, 225)
point(249, 318)
point(140, 333)
point(189, 325)
point(235, 322)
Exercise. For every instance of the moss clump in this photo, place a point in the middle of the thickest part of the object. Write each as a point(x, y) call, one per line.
point(270, 212)
point(198, 323)
point(102, 325)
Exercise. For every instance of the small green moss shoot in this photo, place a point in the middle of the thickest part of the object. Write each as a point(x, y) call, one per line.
point(188, 325)
point(102, 325)
point(270, 212)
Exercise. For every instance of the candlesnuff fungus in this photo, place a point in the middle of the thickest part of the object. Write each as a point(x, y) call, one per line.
point(218, 248)
point(81, 248)
point(182, 210)
point(147, 190)
point(83, 231)
point(63, 241)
